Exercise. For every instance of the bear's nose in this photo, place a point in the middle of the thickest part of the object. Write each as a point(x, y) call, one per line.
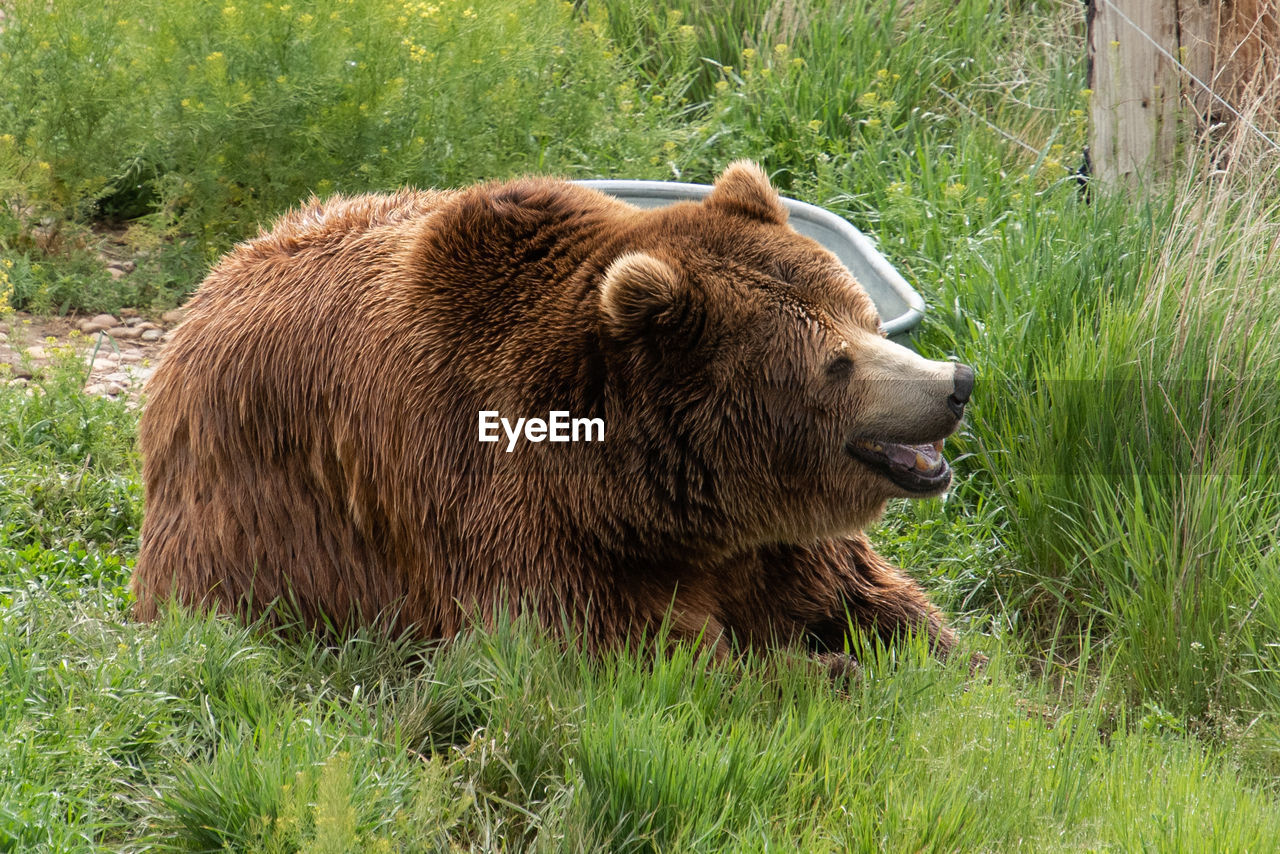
point(963, 388)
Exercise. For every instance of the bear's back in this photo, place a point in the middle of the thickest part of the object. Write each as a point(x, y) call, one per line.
point(323, 225)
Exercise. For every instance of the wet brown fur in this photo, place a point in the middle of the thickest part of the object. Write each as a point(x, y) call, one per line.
point(311, 434)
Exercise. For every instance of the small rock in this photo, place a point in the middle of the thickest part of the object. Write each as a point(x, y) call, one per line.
point(132, 355)
point(36, 352)
point(174, 315)
point(18, 382)
point(108, 388)
point(133, 321)
point(92, 326)
point(128, 312)
point(106, 320)
point(124, 332)
point(115, 272)
point(147, 324)
point(104, 363)
point(150, 335)
point(119, 377)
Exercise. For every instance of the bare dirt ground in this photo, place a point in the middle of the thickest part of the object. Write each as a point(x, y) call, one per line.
point(118, 352)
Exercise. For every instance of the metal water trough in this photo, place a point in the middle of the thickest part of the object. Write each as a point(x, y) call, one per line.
point(900, 307)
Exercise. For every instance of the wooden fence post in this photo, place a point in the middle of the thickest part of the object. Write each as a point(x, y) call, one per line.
point(1133, 109)
point(1227, 49)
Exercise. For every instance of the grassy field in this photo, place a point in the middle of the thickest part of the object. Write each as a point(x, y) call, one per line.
point(1111, 541)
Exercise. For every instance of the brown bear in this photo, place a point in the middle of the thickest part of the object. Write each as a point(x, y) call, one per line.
point(371, 413)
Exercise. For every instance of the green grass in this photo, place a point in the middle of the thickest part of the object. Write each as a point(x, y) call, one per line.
point(1110, 542)
point(193, 734)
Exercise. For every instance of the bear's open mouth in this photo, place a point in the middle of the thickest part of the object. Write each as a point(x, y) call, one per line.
point(915, 468)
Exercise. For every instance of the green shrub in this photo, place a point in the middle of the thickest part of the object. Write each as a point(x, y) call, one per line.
point(213, 116)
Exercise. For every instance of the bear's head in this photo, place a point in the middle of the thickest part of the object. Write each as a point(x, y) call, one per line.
point(778, 405)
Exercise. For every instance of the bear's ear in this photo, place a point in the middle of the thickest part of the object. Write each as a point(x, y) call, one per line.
point(640, 291)
point(744, 189)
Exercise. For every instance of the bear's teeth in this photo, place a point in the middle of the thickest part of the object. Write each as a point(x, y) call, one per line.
point(922, 463)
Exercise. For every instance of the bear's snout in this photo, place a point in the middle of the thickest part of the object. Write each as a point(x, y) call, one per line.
point(962, 390)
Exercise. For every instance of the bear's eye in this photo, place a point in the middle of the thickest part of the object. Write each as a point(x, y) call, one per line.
point(840, 368)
